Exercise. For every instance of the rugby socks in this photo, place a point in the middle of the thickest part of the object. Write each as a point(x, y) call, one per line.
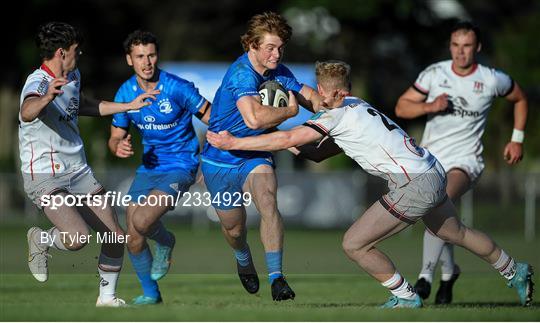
point(273, 264)
point(243, 256)
point(142, 264)
point(505, 265)
point(162, 236)
point(57, 244)
point(400, 287)
point(431, 253)
point(107, 284)
point(448, 265)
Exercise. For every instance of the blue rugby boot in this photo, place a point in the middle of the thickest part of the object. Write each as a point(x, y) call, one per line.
point(162, 260)
point(396, 302)
point(146, 300)
point(522, 282)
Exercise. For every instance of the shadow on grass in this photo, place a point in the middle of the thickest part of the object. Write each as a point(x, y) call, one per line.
point(484, 305)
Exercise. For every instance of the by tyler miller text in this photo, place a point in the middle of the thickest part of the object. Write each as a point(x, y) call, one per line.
point(77, 238)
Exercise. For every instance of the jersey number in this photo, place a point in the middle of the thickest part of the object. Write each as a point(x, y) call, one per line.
point(387, 124)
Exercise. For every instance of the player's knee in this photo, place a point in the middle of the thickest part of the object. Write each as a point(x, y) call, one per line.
point(235, 232)
point(76, 241)
point(141, 224)
point(350, 246)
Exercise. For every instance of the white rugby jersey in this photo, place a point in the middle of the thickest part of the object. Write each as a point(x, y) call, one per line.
point(375, 142)
point(457, 131)
point(51, 144)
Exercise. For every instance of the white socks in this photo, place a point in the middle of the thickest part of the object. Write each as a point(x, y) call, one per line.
point(434, 250)
point(107, 284)
point(505, 265)
point(400, 287)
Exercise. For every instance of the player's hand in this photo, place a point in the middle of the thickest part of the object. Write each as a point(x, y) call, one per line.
point(439, 104)
point(222, 140)
point(513, 153)
point(55, 88)
point(143, 100)
point(293, 104)
point(336, 96)
point(124, 148)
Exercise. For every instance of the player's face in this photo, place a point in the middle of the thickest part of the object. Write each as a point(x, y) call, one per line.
point(463, 48)
point(70, 57)
point(144, 59)
point(270, 52)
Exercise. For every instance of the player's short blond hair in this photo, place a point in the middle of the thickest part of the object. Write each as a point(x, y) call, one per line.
point(333, 75)
point(265, 23)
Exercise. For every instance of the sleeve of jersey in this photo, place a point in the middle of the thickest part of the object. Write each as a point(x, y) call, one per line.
point(189, 98)
point(35, 87)
point(243, 84)
point(503, 83)
point(288, 80)
point(120, 120)
point(322, 122)
point(422, 83)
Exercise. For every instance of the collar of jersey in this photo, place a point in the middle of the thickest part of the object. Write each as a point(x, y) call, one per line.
point(158, 84)
point(47, 70)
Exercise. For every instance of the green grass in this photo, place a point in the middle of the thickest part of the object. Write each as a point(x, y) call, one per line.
point(202, 285)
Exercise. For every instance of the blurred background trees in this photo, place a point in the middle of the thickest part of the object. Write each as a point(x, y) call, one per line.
point(387, 43)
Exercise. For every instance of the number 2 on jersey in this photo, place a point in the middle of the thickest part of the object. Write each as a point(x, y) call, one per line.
point(384, 120)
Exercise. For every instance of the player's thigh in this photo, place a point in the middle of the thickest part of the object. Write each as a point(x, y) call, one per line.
point(261, 183)
point(153, 207)
point(458, 183)
point(376, 224)
point(443, 221)
point(157, 193)
point(100, 216)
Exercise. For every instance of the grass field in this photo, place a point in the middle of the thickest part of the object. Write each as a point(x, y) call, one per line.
point(202, 285)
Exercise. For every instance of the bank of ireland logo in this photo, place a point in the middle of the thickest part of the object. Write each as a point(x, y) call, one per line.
point(165, 106)
point(149, 118)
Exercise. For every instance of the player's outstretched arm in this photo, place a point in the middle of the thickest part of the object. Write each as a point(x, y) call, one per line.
point(411, 104)
point(513, 151)
point(33, 105)
point(278, 140)
point(120, 142)
point(258, 116)
point(317, 152)
point(95, 108)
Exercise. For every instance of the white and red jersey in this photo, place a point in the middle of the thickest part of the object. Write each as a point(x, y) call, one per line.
point(374, 141)
point(51, 144)
point(456, 133)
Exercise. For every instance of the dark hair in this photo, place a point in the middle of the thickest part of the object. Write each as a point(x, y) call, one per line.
point(468, 26)
point(54, 35)
point(267, 22)
point(140, 37)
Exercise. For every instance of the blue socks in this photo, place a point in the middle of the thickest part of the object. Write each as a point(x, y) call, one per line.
point(142, 263)
point(243, 256)
point(273, 264)
point(161, 235)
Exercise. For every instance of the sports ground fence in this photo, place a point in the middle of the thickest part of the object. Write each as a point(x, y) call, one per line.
point(324, 200)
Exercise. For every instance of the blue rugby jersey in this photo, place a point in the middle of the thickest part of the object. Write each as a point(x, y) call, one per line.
point(240, 80)
point(165, 125)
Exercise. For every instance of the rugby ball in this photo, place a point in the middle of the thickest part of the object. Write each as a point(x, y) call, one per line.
point(273, 94)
